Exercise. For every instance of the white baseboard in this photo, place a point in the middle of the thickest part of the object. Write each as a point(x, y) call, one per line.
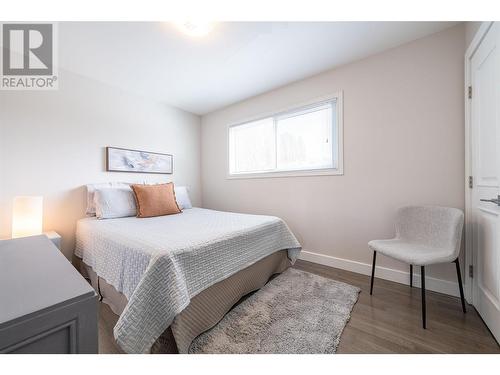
point(431, 283)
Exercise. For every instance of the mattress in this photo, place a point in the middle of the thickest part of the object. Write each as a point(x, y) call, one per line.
point(160, 263)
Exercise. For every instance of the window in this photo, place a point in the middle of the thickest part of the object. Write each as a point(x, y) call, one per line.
point(300, 141)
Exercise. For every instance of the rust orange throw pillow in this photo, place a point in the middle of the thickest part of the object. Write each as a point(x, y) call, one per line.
point(155, 200)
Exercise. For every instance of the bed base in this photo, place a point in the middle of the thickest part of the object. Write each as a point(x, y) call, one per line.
point(206, 309)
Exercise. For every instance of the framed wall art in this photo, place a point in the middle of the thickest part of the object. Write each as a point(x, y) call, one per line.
point(126, 160)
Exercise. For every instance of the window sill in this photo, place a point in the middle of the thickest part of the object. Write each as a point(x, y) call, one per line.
point(304, 173)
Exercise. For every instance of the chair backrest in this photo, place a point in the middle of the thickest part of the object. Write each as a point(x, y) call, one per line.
point(432, 226)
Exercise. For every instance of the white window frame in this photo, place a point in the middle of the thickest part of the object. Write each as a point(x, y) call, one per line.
point(338, 171)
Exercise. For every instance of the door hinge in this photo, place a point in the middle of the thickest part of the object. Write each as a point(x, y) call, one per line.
point(469, 92)
point(471, 182)
point(471, 271)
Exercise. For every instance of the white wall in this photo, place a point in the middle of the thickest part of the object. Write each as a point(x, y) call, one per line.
point(403, 142)
point(52, 143)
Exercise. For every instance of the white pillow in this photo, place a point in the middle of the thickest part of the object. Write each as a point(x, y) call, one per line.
point(111, 203)
point(182, 197)
point(91, 188)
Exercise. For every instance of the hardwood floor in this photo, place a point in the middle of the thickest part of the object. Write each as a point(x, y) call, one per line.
point(107, 320)
point(387, 322)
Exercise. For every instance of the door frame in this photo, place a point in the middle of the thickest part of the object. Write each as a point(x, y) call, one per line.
point(469, 248)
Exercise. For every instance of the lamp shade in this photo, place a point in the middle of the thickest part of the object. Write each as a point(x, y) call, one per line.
point(27, 216)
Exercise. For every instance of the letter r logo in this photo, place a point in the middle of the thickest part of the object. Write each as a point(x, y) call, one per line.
point(28, 49)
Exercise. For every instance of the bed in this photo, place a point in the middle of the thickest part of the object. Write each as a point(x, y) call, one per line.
point(172, 277)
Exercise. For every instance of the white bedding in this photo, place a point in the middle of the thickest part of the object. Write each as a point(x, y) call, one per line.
point(160, 263)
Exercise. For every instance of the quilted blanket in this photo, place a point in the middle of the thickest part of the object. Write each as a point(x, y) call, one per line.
point(160, 263)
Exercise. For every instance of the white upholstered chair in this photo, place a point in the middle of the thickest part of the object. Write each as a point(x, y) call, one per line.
point(424, 235)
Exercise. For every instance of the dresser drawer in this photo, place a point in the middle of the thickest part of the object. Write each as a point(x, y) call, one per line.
point(70, 328)
point(46, 305)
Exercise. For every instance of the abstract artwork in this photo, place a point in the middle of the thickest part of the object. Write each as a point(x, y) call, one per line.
point(125, 160)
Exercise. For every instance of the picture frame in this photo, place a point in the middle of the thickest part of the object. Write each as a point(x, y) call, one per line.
point(137, 161)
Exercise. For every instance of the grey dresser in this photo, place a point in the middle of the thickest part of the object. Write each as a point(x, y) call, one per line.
point(46, 306)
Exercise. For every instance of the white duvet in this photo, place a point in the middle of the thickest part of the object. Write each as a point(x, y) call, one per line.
point(160, 263)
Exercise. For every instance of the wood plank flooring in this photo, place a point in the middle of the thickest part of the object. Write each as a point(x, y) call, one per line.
point(387, 322)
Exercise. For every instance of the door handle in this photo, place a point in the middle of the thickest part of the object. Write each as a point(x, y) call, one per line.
point(496, 201)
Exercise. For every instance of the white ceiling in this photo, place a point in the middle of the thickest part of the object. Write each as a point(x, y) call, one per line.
point(235, 61)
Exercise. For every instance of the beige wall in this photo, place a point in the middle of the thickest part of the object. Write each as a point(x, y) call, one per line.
point(403, 142)
point(52, 143)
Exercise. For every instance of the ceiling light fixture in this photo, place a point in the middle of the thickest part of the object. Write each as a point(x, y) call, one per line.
point(195, 28)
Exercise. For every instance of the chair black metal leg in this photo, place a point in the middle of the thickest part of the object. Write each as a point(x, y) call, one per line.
point(411, 275)
point(373, 271)
point(422, 276)
point(459, 276)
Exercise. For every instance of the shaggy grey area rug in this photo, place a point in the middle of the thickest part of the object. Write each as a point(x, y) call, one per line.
point(296, 312)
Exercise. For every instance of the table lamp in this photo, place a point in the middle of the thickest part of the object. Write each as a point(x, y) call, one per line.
point(27, 216)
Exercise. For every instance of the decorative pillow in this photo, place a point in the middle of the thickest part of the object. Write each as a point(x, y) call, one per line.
point(111, 203)
point(155, 200)
point(182, 197)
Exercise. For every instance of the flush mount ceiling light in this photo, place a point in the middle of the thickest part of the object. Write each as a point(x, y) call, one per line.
point(195, 28)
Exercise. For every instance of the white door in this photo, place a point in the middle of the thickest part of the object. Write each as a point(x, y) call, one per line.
point(485, 163)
